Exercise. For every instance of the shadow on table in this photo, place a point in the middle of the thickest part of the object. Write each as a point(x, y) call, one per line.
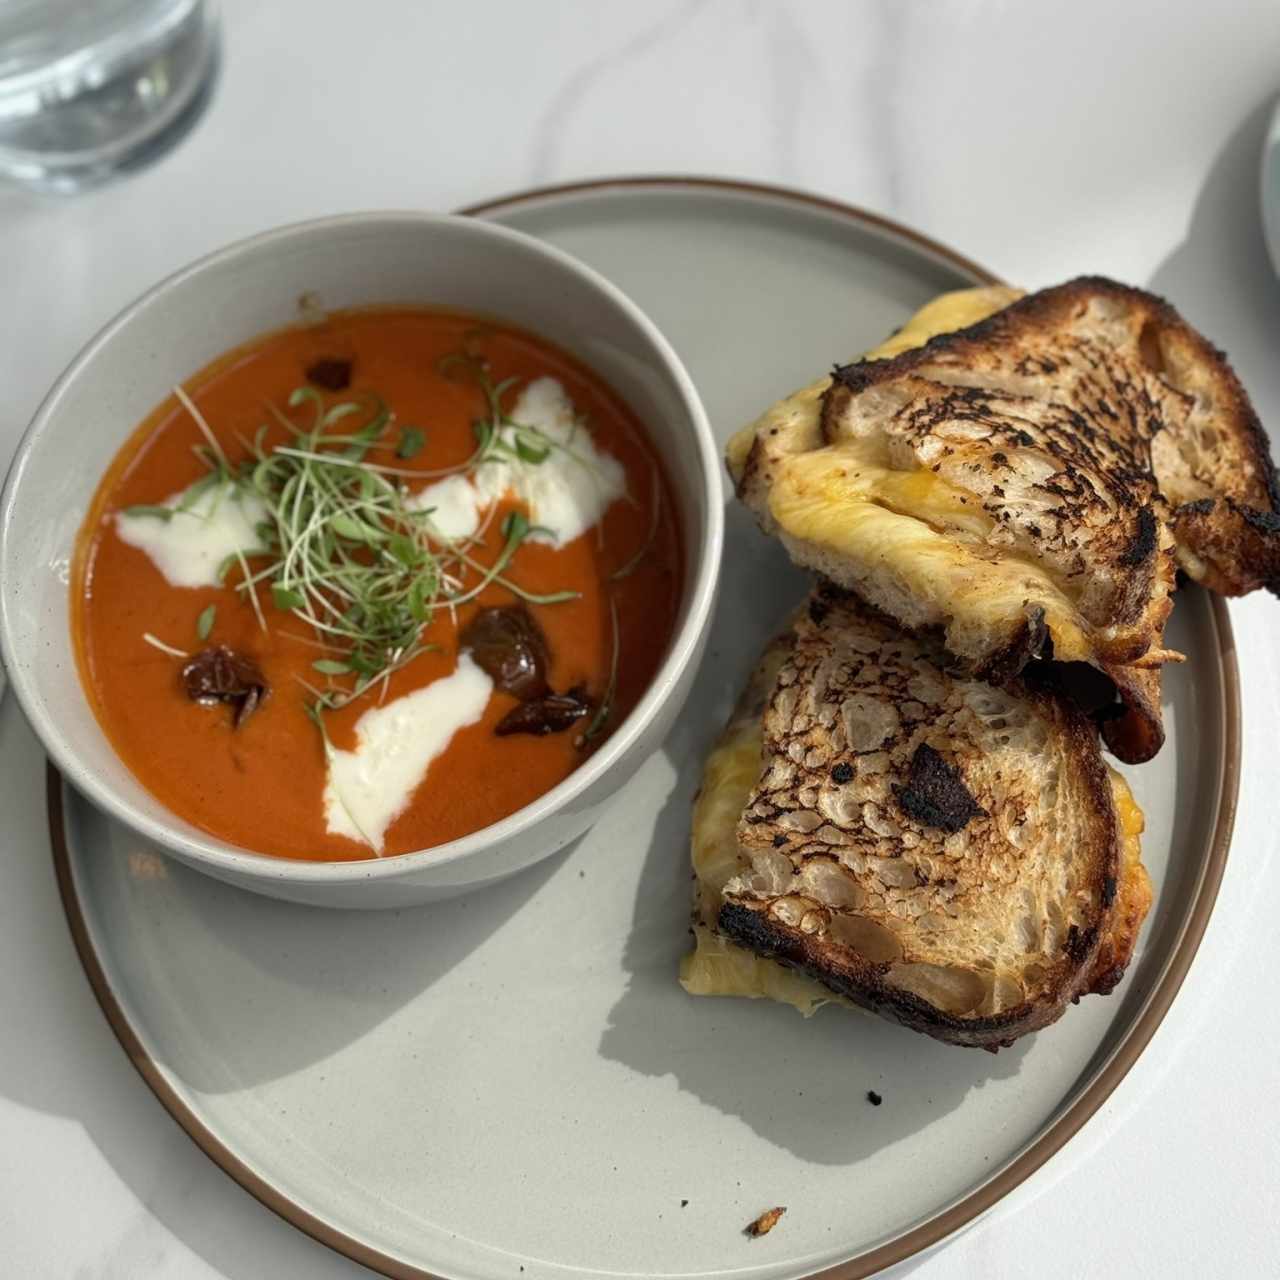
point(1221, 277)
point(800, 1084)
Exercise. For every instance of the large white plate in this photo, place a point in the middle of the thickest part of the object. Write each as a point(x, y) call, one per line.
point(513, 1083)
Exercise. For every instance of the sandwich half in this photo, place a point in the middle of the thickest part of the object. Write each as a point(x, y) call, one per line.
point(877, 829)
point(1027, 475)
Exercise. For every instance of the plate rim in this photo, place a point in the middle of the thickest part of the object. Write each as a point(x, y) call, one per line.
point(951, 1218)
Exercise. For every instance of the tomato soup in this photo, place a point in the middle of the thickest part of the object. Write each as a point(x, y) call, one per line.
point(372, 583)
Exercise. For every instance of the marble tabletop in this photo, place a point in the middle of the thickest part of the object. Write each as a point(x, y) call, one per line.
point(1040, 139)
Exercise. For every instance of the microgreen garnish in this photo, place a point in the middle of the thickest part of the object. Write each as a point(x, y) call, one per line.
point(204, 623)
point(500, 436)
point(343, 547)
point(164, 648)
point(605, 709)
point(149, 509)
point(247, 587)
point(411, 441)
point(214, 447)
point(655, 506)
point(331, 667)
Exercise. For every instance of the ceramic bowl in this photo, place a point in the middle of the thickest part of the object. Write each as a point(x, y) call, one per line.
point(250, 288)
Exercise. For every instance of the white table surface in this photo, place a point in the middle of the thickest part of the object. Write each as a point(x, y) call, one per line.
point(1043, 139)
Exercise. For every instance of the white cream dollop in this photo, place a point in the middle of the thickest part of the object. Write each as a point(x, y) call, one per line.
point(368, 788)
point(191, 545)
point(453, 505)
point(565, 494)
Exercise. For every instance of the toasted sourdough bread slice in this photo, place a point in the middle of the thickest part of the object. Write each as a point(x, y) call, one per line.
point(717, 966)
point(1028, 483)
point(952, 856)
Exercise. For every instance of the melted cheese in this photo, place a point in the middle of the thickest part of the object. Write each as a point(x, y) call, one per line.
point(1132, 823)
point(876, 515)
point(945, 314)
point(716, 966)
point(846, 500)
point(800, 412)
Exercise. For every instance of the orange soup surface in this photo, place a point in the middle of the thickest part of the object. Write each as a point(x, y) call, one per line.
point(241, 714)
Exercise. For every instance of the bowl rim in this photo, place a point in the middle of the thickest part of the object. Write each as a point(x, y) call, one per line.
point(699, 596)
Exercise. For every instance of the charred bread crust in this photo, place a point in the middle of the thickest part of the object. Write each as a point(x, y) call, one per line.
point(866, 983)
point(1239, 544)
point(1031, 641)
point(1137, 734)
point(863, 982)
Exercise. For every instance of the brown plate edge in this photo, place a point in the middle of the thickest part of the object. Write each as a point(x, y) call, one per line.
point(732, 186)
point(919, 1238)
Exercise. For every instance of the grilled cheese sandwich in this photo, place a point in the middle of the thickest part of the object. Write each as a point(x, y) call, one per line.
point(803, 896)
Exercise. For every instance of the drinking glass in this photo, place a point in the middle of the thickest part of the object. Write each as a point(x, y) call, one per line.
point(91, 88)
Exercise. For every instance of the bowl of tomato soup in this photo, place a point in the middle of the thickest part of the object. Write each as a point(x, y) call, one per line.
point(361, 562)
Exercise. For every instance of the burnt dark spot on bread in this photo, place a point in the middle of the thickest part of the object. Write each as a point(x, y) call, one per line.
point(1080, 943)
point(1143, 545)
point(1108, 890)
point(1032, 641)
point(1135, 733)
point(1200, 507)
point(866, 985)
point(779, 840)
point(748, 928)
point(1105, 983)
point(842, 773)
point(1261, 521)
point(935, 794)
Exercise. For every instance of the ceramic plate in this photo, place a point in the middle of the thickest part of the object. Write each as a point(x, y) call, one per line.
point(513, 1083)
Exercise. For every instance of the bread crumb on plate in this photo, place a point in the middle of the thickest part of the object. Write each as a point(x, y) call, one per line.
point(765, 1222)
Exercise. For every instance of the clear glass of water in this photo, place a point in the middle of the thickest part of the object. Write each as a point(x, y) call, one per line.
point(92, 88)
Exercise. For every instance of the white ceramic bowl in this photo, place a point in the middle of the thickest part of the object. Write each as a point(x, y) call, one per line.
point(252, 287)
